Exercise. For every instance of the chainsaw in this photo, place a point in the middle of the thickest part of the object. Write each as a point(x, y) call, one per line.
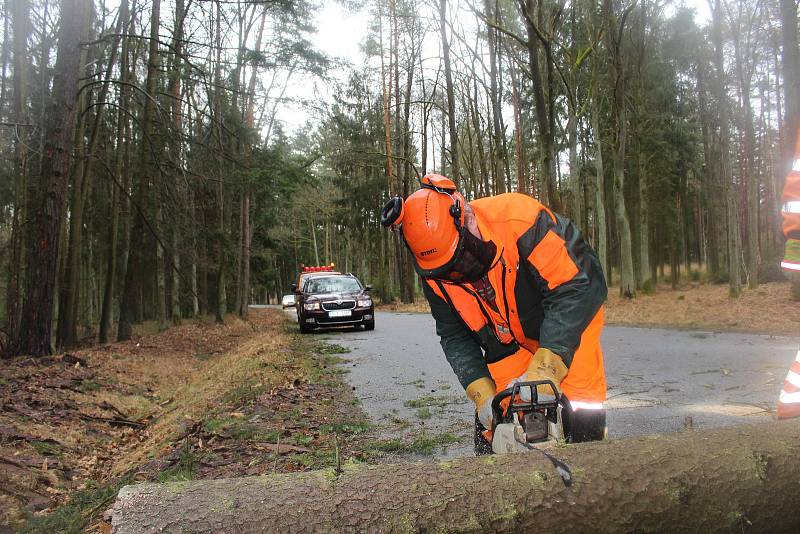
point(520, 425)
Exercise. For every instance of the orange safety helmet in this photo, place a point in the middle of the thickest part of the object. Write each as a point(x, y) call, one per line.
point(432, 224)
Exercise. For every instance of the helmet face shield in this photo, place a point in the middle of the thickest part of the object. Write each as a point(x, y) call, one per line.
point(472, 260)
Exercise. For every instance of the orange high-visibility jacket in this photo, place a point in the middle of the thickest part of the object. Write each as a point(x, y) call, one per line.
point(789, 400)
point(791, 212)
point(549, 289)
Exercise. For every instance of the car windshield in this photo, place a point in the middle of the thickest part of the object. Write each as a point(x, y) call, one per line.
point(333, 285)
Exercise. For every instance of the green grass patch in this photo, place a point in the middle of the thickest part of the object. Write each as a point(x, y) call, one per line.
point(346, 428)
point(431, 401)
point(89, 386)
point(315, 459)
point(332, 348)
point(74, 516)
point(45, 448)
point(420, 383)
point(304, 440)
point(400, 422)
point(203, 356)
point(185, 469)
point(244, 393)
point(424, 444)
point(214, 426)
point(239, 429)
point(424, 413)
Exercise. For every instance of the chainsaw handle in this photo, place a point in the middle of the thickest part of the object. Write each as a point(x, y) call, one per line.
point(517, 404)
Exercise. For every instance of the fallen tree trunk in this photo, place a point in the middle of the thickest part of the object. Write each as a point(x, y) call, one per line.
point(743, 479)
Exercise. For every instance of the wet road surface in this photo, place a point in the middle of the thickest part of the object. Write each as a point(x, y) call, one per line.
point(659, 380)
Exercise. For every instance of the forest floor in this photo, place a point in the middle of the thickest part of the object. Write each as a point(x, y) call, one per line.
point(253, 397)
point(693, 305)
point(197, 401)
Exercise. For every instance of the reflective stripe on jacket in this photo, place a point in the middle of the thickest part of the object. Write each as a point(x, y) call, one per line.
point(548, 282)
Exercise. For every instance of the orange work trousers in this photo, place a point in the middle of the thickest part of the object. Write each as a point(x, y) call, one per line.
point(585, 384)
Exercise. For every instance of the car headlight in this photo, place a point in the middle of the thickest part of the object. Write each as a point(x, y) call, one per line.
point(364, 303)
point(311, 306)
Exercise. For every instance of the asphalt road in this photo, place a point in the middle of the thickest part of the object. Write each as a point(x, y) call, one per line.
point(656, 377)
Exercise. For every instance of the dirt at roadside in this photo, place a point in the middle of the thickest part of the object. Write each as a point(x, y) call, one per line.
point(693, 305)
point(200, 400)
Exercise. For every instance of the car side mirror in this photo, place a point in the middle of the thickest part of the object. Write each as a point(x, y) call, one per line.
point(367, 288)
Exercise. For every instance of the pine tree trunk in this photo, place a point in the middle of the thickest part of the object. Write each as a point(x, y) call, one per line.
point(387, 124)
point(132, 294)
point(67, 333)
point(724, 480)
point(409, 276)
point(734, 247)
point(600, 196)
point(245, 255)
point(547, 192)
point(116, 183)
point(222, 304)
point(20, 15)
point(627, 282)
point(642, 223)
point(748, 173)
point(451, 99)
point(522, 181)
point(497, 155)
point(35, 330)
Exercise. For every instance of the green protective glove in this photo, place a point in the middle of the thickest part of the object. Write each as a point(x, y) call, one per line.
point(481, 392)
point(545, 365)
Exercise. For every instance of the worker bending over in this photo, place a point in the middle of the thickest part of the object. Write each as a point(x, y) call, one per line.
point(517, 294)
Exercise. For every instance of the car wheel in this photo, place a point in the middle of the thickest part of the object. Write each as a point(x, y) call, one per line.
point(305, 329)
point(369, 325)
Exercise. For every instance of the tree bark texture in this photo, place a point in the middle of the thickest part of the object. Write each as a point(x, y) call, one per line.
point(627, 280)
point(734, 248)
point(20, 14)
point(737, 479)
point(37, 313)
point(67, 332)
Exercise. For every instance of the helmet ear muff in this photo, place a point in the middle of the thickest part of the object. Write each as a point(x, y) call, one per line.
point(392, 213)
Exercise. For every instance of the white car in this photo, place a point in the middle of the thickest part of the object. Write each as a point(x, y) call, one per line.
point(288, 301)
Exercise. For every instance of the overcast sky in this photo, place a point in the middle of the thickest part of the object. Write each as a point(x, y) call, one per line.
point(340, 34)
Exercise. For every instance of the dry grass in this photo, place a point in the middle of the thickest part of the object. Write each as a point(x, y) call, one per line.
point(200, 400)
point(766, 310)
point(55, 435)
point(419, 306)
point(695, 305)
point(191, 393)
